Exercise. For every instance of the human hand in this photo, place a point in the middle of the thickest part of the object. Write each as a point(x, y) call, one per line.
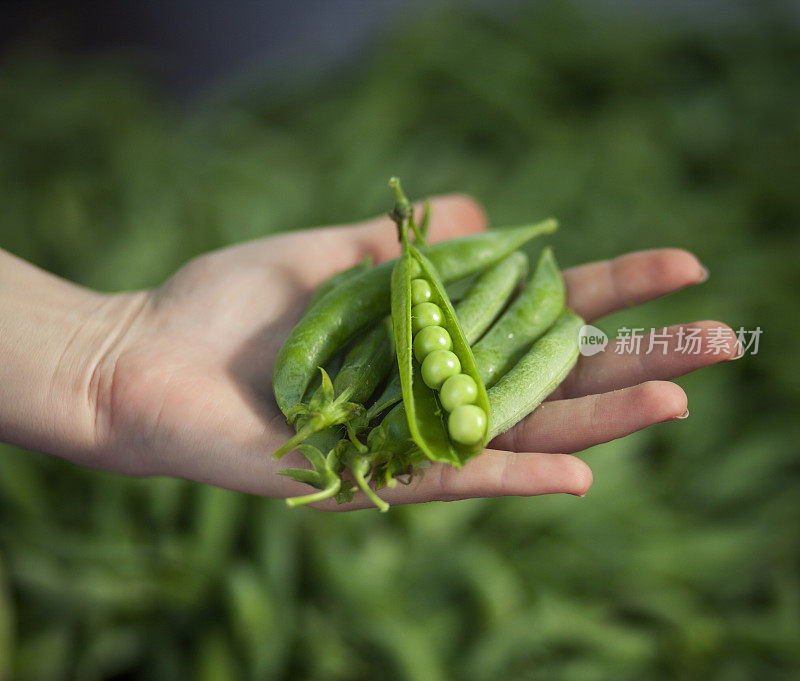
point(185, 388)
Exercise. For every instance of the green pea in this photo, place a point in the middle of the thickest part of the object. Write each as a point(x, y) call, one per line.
point(457, 390)
point(467, 424)
point(429, 339)
point(438, 366)
point(425, 314)
point(420, 291)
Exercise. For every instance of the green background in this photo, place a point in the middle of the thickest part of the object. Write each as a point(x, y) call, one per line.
point(682, 561)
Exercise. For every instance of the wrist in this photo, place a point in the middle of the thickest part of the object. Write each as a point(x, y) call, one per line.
point(53, 336)
point(85, 374)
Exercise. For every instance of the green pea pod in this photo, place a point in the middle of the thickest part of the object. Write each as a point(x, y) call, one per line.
point(367, 363)
point(488, 295)
point(391, 395)
point(336, 279)
point(392, 451)
point(364, 366)
point(480, 306)
point(390, 441)
point(427, 421)
point(365, 297)
point(527, 318)
point(535, 375)
point(515, 396)
point(331, 368)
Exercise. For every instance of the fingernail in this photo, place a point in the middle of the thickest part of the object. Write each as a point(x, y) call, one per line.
point(681, 417)
point(703, 275)
point(739, 352)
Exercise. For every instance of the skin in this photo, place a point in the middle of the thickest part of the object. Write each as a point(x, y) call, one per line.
point(176, 380)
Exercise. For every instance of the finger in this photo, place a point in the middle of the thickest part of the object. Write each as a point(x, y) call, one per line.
point(599, 288)
point(502, 474)
point(575, 424)
point(492, 474)
point(688, 347)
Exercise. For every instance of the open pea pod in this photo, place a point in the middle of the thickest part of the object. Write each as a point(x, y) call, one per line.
point(427, 420)
point(481, 305)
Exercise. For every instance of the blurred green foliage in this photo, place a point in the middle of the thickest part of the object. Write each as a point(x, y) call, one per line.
point(681, 563)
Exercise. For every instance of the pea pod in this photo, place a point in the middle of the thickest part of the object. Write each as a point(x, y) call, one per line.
point(420, 304)
point(364, 366)
point(527, 318)
point(367, 363)
point(539, 303)
point(488, 295)
point(515, 396)
point(480, 306)
point(390, 442)
point(336, 279)
point(357, 374)
point(536, 375)
point(356, 378)
point(331, 368)
point(365, 297)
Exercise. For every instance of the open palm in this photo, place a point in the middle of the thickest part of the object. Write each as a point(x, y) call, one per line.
point(186, 390)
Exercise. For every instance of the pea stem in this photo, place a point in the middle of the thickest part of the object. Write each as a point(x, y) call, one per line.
point(425, 223)
point(323, 494)
point(361, 481)
point(403, 215)
point(299, 437)
point(402, 210)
